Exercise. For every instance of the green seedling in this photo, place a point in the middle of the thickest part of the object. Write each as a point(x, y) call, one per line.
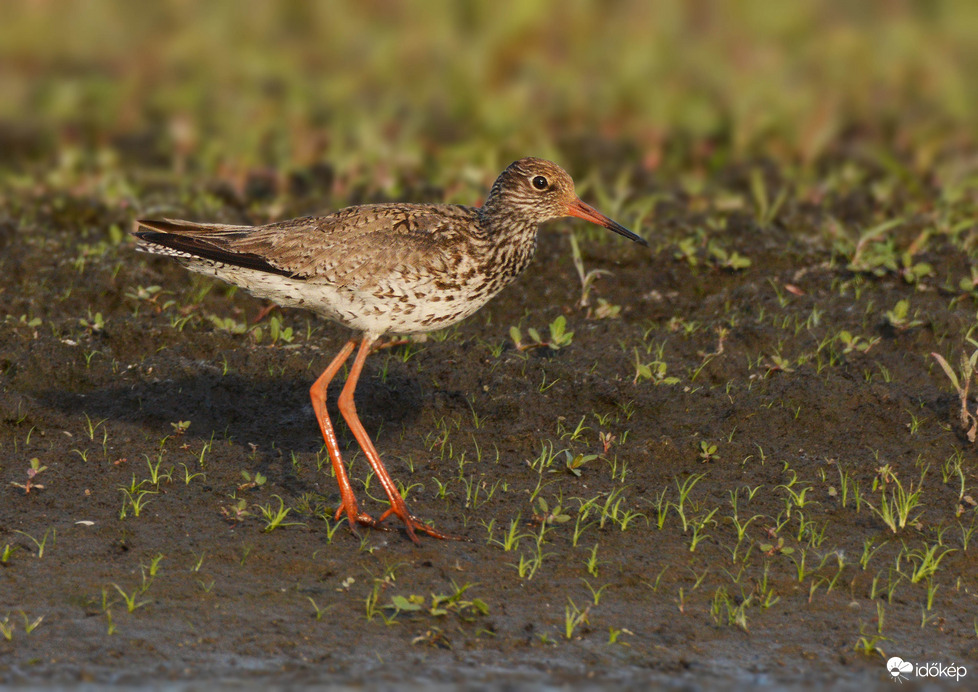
point(966, 535)
point(317, 611)
point(559, 336)
point(155, 475)
point(198, 561)
point(7, 628)
point(331, 528)
point(512, 537)
point(189, 476)
point(544, 515)
point(708, 452)
point(962, 384)
point(150, 571)
point(31, 625)
point(661, 507)
point(766, 209)
point(94, 323)
point(592, 563)
point(573, 463)
point(858, 344)
point(546, 457)
point(911, 271)
point(741, 529)
point(587, 278)
point(724, 609)
point(872, 255)
point(614, 634)
point(627, 516)
point(443, 491)
point(575, 435)
point(724, 259)
point(33, 470)
point(529, 564)
point(655, 371)
point(574, 617)
point(778, 548)
point(687, 249)
point(131, 600)
point(931, 592)
point(868, 645)
point(180, 427)
point(40, 544)
point(236, 512)
point(581, 524)
point(685, 488)
point(595, 593)
point(255, 481)
point(611, 507)
point(895, 507)
point(230, 325)
point(767, 595)
point(442, 604)
point(477, 491)
point(699, 524)
point(926, 560)
point(899, 317)
point(794, 498)
point(277, 332)
point(276, 517)
point(134, 500)
point(953, 470)
point(149, 294)
point(658, 580)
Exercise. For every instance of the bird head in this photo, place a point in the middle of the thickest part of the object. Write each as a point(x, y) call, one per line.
point(539, 190)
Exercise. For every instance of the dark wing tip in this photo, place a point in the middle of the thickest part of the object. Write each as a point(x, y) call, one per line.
point(178, 237)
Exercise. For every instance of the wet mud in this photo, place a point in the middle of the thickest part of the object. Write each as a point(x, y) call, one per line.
point(681, 493)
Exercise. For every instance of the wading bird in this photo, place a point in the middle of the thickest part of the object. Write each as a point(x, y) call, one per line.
point(382, 269)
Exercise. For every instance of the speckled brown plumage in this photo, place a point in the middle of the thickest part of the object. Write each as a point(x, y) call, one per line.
point(382, 269)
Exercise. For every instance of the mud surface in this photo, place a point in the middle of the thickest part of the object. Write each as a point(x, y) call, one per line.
point(167, 424)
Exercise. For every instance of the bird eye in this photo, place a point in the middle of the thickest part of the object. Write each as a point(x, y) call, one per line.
point(540, 183)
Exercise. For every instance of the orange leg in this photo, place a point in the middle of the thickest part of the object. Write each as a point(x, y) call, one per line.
point(349, 411)
point(381, 345)
point(318, 395)
point(263, 313)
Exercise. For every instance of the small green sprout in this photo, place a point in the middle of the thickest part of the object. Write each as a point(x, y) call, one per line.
point(255, 481)
point(35, 468)
point(559, 336)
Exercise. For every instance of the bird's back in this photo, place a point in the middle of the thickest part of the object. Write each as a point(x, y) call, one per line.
point(384, 268)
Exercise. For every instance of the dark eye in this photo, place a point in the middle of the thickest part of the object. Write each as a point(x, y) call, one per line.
point(540, 183)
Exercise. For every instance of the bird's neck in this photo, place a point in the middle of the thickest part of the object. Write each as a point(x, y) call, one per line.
point(509, 237)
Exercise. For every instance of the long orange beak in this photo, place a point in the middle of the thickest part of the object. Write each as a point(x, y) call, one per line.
point(583, 211)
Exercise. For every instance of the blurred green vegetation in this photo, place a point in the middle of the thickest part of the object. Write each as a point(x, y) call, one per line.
point(454, 91)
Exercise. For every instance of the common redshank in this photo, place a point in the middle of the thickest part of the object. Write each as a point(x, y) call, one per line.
point(382, 269)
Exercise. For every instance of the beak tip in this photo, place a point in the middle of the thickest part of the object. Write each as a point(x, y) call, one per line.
point(583, 211)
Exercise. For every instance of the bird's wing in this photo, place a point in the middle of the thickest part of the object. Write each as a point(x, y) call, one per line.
point(187, 240)
point(355, 247)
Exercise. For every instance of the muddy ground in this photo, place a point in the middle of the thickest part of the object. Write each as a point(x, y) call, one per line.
point(777, 400)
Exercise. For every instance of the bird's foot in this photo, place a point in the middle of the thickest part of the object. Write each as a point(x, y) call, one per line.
point(358, 518)
point(413, 524)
